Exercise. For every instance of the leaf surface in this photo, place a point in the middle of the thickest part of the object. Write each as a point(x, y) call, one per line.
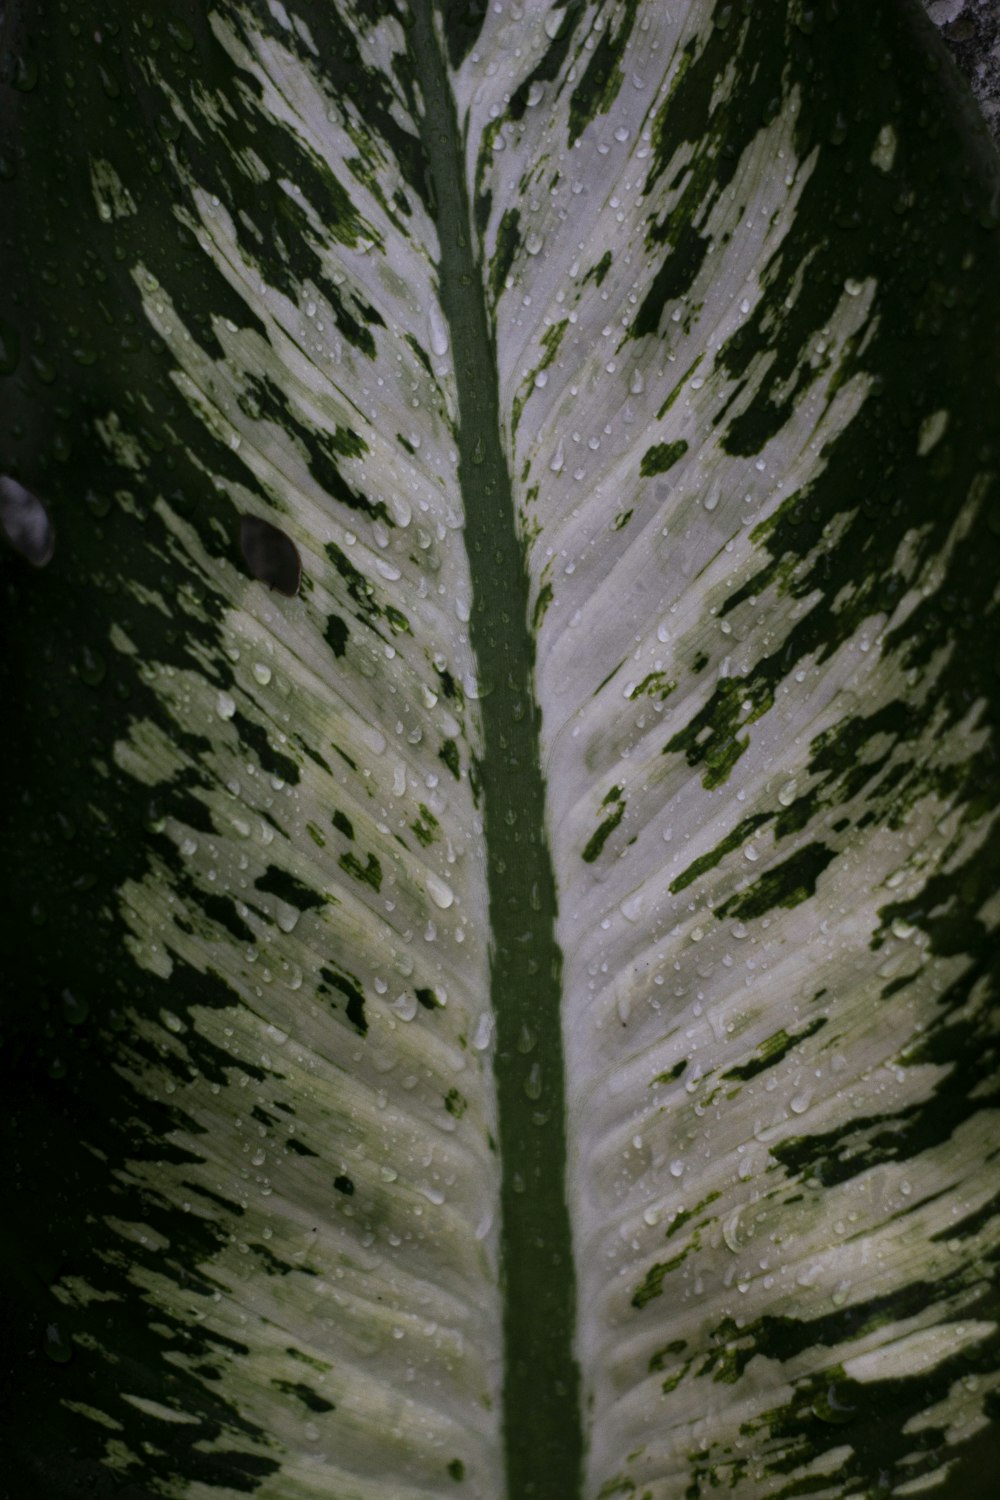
point(501, 934)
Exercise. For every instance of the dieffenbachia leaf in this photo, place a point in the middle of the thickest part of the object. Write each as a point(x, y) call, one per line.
point(501, 776)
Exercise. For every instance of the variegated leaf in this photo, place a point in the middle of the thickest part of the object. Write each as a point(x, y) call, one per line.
point(501, 804)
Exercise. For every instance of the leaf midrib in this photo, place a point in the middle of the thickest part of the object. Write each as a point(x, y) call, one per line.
point(541, 1420)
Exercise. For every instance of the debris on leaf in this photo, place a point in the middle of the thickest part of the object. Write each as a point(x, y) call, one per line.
point(270, 555)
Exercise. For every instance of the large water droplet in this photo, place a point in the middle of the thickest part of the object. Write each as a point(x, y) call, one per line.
point(438, 330)
point(440, 892)
point(57, 1346)
point(533, 1082)
point(483, 1034)
point(92, 667)
point(24, 74)
point(25, 522)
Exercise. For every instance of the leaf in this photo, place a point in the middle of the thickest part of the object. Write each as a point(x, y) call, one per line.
point(500, 938)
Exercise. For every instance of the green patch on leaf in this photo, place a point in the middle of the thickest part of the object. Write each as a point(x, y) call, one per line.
point(661, 457)
point(706, 862)
point(289, 888)
point(343, 824)
point(606, 827)
point(449, 754)
point(542, 603)
point(773, 1050)
point(786, 885)
point(426, 826)
point(369, 873)
point(653, 685)
point(652, 1285)
point(348, 986)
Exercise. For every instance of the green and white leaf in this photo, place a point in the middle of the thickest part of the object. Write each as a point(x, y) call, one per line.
point(530, 997)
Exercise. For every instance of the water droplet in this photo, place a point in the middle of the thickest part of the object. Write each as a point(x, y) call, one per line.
point(558, 458)
point(57, 1346)
point(109, 83)
point(632, 907)
point(533, 1082)
point(405, 1006)
point(440, 892)
point(787, 794)
point(25, 522)
point(92, 667)
point(262, 672)
point(75, 1011)
point(181, 34)
point(225, 706)
point(677, 1168)
point(438, 331)
point(483, 1034)
point(24, 74)
point(730, 1232)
